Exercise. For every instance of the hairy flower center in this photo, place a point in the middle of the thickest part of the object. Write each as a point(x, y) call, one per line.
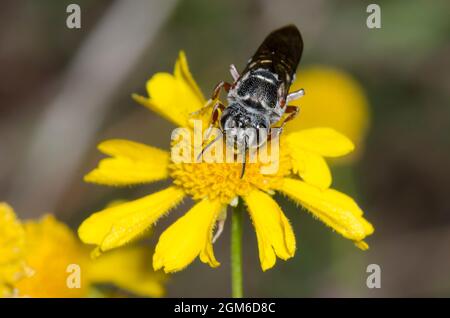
point(223, 180)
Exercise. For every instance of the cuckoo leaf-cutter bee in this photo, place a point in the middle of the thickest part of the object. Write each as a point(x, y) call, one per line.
point(258, 97)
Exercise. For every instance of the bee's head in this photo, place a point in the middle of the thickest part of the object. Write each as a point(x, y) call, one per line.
point(244, 129)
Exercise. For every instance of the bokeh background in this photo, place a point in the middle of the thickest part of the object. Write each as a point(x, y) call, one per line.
point(62, 91)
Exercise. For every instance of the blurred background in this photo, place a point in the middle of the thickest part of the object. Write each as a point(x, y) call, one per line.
point(64, 90)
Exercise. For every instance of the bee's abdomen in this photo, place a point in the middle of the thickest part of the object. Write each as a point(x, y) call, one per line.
point(258, 89)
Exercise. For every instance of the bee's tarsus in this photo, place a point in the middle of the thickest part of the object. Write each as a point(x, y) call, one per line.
point(234, 72)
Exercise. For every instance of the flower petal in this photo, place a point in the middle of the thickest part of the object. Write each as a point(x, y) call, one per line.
point(182, 72)
point(187, 238)
point(311, 167)
point(334, 208)
point(326, 142)
point(273, 231)
point(173, 97)
point(129, 269)
point(117, 225)
point(132, 163)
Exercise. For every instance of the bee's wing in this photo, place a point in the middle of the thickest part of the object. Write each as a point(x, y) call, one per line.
point(280, 53)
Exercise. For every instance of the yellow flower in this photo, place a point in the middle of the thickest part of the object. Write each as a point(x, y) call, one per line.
point(303, 176)
point(37, 258)
point(334, 99)
point(12, 245)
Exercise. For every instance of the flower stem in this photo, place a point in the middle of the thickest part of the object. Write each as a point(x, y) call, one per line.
point(236, 251)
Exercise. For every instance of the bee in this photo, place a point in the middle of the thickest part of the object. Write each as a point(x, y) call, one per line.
point(258, 97)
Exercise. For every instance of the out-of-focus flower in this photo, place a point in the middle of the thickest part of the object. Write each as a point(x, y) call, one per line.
point(303, 176)
point(36, 259)
point(12, 246)
point(334, 99)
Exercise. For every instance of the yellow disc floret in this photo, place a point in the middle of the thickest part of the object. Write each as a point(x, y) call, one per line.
point(223, 180)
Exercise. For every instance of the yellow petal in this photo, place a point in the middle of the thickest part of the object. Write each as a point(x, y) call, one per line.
point(117, 225)
point(273, 231)
point(334, 208)
point(311, 167)
point(324, 141)
point(362, 245)
point(131, 163)
point(128, 268)
point(173, 97)
point(183, 73)
point(188, 237)
point(333, 99)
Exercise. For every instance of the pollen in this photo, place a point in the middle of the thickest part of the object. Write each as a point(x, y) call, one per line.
point(223, 181)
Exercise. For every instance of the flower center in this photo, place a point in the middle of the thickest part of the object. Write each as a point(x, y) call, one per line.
point(223, 181)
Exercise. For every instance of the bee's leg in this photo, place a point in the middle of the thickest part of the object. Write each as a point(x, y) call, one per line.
point(234, 72)
point(292, 112)
point(216, 92)
point(295, 95)
point(218, 107)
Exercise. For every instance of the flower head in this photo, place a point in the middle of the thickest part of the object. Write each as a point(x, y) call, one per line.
point(303, 176)
point(36, 260)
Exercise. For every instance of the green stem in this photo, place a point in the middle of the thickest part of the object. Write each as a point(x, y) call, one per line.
point(236, 251)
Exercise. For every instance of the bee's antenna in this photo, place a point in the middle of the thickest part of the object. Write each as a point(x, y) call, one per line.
point(245, 158)
point(243, 167)
point(207, 146)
